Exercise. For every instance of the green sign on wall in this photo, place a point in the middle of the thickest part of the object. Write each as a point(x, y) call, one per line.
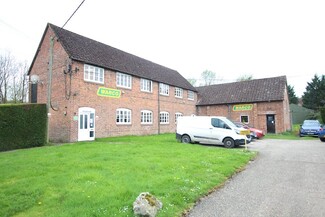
point(108, 92)
point(242, 107)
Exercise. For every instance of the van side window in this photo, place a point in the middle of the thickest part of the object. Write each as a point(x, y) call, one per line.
point(214, 122)
point(219, 123)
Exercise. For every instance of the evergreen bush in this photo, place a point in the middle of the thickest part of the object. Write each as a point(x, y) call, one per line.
point(22, 126)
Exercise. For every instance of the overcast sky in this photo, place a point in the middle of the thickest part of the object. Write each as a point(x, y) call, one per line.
point(229, 37)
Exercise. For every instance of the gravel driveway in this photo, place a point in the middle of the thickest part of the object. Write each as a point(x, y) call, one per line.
point(286, 179)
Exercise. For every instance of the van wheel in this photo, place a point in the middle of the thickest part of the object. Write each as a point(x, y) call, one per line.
point(229, 143)
point(186, 139)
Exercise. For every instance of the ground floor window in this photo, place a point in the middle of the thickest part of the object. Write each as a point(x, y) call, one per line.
point(177, 114)
point(164, 117)
point(34, 93)
point(146, 117)
point(244, 119)
point(123, 116)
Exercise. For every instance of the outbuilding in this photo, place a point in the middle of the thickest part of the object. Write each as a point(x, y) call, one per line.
point(260, 103)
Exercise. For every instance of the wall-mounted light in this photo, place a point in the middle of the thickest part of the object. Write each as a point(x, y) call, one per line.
point(34, 79)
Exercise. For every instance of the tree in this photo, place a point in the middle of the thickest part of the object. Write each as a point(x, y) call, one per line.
point(192, 81)
point(293, 99)
point(245, 78)
point(314, 96)
point(13, 79)
point(18, 89)
point(6, 67)
point(322, 114)
point(208, 77)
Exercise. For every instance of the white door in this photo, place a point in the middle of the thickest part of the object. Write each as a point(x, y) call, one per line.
point(86, 124)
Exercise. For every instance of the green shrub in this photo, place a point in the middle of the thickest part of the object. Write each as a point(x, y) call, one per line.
point(322, 114)
point(22, 126)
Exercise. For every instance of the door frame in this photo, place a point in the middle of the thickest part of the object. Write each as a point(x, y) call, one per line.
point(270, 127)
point(86, 130)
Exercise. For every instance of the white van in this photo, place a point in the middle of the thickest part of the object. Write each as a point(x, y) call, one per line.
point(210, 130)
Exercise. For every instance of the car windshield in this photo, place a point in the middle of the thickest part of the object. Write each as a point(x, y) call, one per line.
point(311, 124)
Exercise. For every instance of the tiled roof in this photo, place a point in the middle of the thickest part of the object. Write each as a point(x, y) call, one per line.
point(258, 90)
point(96, 53)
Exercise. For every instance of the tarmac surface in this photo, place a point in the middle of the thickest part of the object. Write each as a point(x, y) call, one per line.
point(286, 179)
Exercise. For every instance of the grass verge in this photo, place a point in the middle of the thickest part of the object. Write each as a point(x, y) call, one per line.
point(290, 135)
point(103, 178)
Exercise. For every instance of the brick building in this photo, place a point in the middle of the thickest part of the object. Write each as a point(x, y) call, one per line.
point(261, 103)
point(94, 90)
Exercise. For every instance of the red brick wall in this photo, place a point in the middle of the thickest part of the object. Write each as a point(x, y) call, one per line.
point(64, 121)
point(257, 116)
point(59, 123)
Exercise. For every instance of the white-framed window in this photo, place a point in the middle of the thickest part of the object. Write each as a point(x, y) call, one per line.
point(244, 119)
point(146, 85)
point(123, 116)
point(93, 74)
point(164, 117)
point(177, 114)
point(178, 92)
point(164, 89)
point(190, 95)
point(123, 80)
point(146, 117)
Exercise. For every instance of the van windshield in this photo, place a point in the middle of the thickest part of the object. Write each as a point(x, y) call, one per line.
point(230, 123)
point(222, 123)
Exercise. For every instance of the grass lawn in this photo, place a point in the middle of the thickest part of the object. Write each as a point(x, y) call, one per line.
point(103, 178)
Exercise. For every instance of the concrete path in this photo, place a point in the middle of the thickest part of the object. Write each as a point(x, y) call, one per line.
point(286, 179)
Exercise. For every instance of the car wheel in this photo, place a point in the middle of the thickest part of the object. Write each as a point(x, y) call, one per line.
point(186, 139)
point(322, 139)
point(229, 143)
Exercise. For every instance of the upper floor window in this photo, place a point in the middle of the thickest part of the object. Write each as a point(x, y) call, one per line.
point(190, 95)
point(146, 117)
point(146, 85)
point(93, 74)
point(164, 117)
point(123, 80)
point(164, 89)
point(178, 92)
point(177, 115)
point(123, 116)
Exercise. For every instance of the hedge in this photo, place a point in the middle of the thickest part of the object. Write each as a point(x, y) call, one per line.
point(22, 126)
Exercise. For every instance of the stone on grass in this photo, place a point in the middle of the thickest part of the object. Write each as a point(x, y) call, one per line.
point(146, 205)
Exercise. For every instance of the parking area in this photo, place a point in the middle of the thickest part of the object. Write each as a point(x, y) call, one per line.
point(286, 179)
